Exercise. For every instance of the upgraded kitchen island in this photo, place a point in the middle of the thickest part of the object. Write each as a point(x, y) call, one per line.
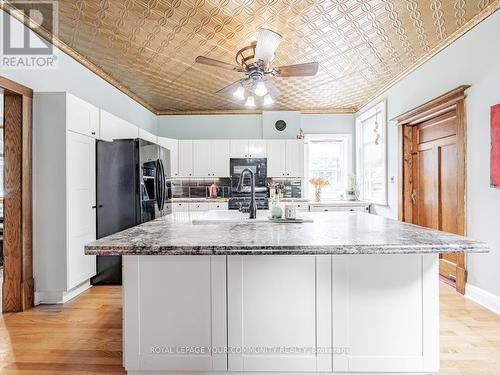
point(348, 293)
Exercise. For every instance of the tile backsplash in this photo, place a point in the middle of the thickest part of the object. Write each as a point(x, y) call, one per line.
point(198, 188)
point(292, 187)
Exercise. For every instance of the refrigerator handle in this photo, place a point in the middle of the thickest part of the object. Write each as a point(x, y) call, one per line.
point(162, 185)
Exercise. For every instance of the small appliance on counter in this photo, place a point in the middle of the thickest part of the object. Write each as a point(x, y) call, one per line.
point(213, 191)
point(241, 199)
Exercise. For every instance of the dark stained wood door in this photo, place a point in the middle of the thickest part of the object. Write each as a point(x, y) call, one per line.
point(433, 174)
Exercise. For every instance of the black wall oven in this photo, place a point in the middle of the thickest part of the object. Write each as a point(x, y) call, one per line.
point(259, 167)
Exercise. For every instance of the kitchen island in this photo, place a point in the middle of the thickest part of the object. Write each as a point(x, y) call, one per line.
point(349, 293)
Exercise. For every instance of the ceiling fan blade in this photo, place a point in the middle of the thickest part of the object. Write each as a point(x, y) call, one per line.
point(267, 43)
point(273, 90)
point(298, 70)
point(229, 89)
point(219, 64)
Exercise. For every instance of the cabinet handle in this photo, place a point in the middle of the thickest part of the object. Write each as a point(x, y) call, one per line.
point(94, 207)
point(93, 133)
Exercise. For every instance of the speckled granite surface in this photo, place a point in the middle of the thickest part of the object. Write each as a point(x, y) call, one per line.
point(330, 233)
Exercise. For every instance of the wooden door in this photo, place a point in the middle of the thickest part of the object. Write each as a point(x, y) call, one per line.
point(433, 175)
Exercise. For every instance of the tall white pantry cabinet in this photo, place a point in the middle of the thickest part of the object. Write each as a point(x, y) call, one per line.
point(64, 214)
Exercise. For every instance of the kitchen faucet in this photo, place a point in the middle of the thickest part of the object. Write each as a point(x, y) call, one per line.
point(253, 205)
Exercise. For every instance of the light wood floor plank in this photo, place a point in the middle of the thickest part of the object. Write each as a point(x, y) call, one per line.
point(84, 337)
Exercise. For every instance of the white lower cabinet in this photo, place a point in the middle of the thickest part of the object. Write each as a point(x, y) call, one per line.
point(278, 303)
point(287, 313)
point(181, 317)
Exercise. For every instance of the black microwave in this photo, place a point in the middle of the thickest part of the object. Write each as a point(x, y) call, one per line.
point(257, 165)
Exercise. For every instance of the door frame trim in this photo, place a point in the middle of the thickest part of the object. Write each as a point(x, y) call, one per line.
point(18, 282)
point(454, 99)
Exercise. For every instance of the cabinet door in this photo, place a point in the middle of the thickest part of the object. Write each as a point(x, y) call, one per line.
point(239, 148)
point(185, 158)
point(218, 206)
point(147, 136)
point(385, 309)
point(82, 117)
point(294, 158)
point(279, 302)
point(113, 127)
point(180, 207)
point(220, 158)
point(202, 158)
point(172, 145)
point(257, 148)
point(276, 158)
point(81, 207)
point(199, 206)
point(187, 311)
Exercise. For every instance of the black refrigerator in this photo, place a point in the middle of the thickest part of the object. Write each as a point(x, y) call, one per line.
point(132, 187)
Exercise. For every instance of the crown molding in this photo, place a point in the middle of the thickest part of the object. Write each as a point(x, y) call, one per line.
point(331, 111)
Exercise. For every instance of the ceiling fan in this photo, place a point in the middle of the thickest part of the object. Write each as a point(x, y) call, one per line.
point(255, 61)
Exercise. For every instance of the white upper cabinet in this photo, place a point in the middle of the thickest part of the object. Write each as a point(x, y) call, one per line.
point(294, 158)
point(220, 158)
point(185, 155)
point(82, 117)
point(147, 136)
point(285, 158)
point(239, 148)
point(113, 127)
point(202, 163)
point(244, 148)
point(276, 158)
point(211, 158)
point(172, 145)
point(257, 148)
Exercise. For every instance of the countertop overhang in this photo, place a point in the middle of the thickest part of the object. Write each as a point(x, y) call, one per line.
point(330, 233)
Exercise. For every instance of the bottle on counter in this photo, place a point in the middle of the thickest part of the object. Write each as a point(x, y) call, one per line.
point(276, 210)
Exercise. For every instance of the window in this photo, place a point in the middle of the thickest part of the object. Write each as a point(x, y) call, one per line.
point(328, 156)
point(371, 154)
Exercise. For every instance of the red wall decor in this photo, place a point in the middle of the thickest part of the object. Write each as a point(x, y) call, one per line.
point(495, 146)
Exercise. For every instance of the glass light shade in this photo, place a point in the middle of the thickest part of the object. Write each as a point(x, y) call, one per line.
point(267, 43)
point(268, 100)
point(239, 93)
point(260, 88)
point(250, 102)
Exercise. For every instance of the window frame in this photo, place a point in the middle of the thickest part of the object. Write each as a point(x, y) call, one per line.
point(345, 137)
point(379, 108)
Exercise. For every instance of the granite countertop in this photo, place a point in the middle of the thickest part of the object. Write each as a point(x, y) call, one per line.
point(330, 233)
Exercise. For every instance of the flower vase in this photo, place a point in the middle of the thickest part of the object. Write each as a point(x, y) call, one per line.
point(318, 193)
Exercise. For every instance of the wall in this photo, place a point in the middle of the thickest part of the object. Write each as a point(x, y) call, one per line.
point(474, 59)
point(73, 77)
point(252, 126)
point(210, 126)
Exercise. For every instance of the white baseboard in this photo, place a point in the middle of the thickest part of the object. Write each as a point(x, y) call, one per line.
point(482, 297)
point(60, 297)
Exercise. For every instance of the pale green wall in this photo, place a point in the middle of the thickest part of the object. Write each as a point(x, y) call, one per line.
point(252, 126)
point(474, 60)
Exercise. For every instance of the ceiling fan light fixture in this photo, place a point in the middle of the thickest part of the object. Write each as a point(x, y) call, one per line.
point(239, 93)
point(267, 43)
point(260, 88)
point(250, 102)
point(268, 100)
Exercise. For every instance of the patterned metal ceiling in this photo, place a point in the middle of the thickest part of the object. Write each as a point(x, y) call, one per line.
point(147, 48)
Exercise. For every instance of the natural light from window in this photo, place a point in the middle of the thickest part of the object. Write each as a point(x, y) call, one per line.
point(329, 156)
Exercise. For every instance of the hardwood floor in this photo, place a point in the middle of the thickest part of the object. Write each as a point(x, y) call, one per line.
point(84, 337)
